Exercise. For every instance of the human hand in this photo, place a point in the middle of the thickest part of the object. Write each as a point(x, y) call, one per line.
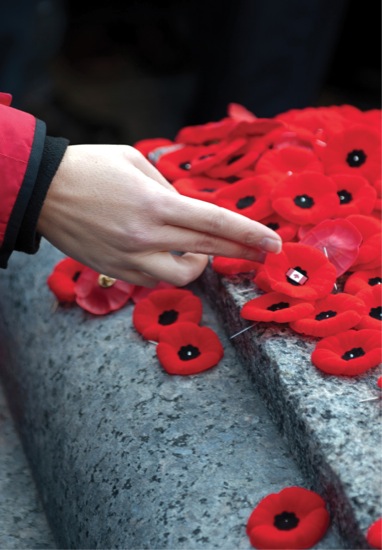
point(109, 208)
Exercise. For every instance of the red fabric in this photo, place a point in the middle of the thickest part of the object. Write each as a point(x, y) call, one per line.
point(359, 280)
point(16, 139)
point(372, 298)
point(275, 307)
point(374, 534)
point(62, 280)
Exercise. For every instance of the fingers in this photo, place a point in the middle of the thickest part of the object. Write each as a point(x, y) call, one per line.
point(208, 218)
point(145, 166)
point(177, 270)
point(137, 278)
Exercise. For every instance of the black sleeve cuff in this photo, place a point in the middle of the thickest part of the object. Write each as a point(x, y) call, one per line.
point(28, 240)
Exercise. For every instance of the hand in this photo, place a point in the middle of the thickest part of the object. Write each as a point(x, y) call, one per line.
point(109, 208)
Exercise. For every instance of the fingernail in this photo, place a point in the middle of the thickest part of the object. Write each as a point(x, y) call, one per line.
point(271, 245)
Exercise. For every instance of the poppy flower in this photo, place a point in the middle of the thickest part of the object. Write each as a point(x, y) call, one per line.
point(63, 278)
point(199, 187)
point(321, 121)
point(332, 314)
point(374, 534)
point(379, 382)
point(233, 266)
point(149, 146)
point(216, 155)
point(275, 307)
point(369, 256)
point(306, 198)
point(261, 280)
point(176, 162)
point(285, 229)
point(354, 150)
point(288, 160)
point(338, 239)
point(249, 197)
point(355, 194)
point(348, 353)
point(141, 292)
point(186, 348)
point(300, 271)
point(372, 317)
point(294, 518)
point(100, 294)
point(235, 163)
point(204, 134)
point(165, 307)
point(360, 280)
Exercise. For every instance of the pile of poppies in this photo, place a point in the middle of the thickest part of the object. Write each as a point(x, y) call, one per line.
point(314, 176)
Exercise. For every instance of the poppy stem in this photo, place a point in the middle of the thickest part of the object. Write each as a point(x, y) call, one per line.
point(55, 306)
point(326, 254)
point(241, 331)
point(375, 398)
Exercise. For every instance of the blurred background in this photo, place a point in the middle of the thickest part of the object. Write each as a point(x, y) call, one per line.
point(118, 72)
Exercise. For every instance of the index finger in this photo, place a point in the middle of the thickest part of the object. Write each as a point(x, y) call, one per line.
point(214, 220)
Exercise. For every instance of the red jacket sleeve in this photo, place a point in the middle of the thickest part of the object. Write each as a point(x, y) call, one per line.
point(22, 138)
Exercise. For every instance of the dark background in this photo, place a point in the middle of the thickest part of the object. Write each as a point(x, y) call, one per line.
point(117, 72)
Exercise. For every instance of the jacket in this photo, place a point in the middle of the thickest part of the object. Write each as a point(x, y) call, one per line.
point(28, 161)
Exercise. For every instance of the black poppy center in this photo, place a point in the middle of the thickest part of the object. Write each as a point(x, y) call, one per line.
point(273, 225)
point(325, 315)
point(356, 158)
point(303, 201)
point(376, 313)
point(374, 281)
point(286, 521)
point(244, 202)
point(186, 165)
point(353, 354)
point(168, 317)
point(188, 352)
point(301, 271)
point(278, 306)
point(232, 179)
point(207, 190)
point(76, 276)
point(234, 159)
point(344, 196)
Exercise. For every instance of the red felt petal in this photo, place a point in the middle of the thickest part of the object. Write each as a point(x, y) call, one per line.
point(338, 239)
point(182, 336)
point(372, 298)
point(374, 534)
point(141, 292)
point(149, 315)
point(360, 280)
point(275, 307)
point(62, 286)
point(327, 355)
point(233, 266)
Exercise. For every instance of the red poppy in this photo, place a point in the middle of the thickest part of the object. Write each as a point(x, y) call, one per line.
point(275, 307)
point(288, 160)
point(332, 314)
point(187, 348)
point(354, 150)
point(261, 280)
point(233, 266)
point(199, 187)
point(235, 163)
point(147, 146)
point(355, 194)
point(348, 353)
point(360, 280)
point(63, 278)
point(176, 162)
point(374, 534)
point(249, 197)
point(216, 155)
point(372, 317)
point(285, 229)
point(379, 382)
point(338, 239)
point(369, 256)
point(300, 271)
point(141, 292)
point(306, 198)
point(294, 518)
point(204, 134)
point(100, 294)
point(163, 308)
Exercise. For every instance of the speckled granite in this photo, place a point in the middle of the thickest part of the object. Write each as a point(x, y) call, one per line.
point(336, 439)
point(22, 520)
point(124, 455)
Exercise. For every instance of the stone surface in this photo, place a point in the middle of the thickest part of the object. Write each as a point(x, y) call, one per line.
point(124, 455)
point(335, 438)
point(22, 520)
